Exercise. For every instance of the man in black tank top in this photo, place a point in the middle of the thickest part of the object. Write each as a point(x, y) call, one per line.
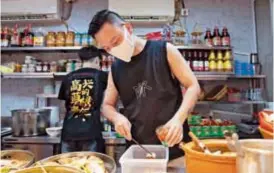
point(147, 76)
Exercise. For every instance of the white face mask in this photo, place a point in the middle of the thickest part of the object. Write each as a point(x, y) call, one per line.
point(124, 51)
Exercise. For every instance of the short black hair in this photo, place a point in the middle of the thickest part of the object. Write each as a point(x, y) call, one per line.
point(101, 18)
point(88, 53)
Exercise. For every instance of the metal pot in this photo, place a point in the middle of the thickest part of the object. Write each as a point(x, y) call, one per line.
point(254, 59)
point(30, 122)
point(253, 155)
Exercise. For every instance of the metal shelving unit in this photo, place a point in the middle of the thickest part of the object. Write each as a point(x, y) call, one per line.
point(227, 102)
point(39, 49)
point(199, 75)
point(76, 48)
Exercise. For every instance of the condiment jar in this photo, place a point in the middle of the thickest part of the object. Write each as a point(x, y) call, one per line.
point(53, 66)
point(227, 55)
point(228, 66)
point(60, 39)
point(45, 67)
point(38, 67)
point(18, 67)
point(70, 38)
point(24, 68)
point(31, 68)
point(51, 39)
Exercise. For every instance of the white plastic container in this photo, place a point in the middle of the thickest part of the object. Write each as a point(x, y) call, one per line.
point(134, 160)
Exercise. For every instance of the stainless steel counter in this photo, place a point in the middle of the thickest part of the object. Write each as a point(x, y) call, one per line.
point(52, 140)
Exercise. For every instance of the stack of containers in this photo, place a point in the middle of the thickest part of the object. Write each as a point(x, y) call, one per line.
point(243, 68)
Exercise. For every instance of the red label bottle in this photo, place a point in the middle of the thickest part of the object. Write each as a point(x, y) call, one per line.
point(208, 38)
point(225, 37)
point(216, 37)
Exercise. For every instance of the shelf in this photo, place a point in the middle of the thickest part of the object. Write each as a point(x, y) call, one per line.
point(39, 49)
point(199, 75)
point(76, 48)
point(227, 102)
point(203, 47)
point(47, 95)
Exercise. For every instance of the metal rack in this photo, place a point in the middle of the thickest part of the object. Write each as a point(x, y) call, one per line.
point(76, 48)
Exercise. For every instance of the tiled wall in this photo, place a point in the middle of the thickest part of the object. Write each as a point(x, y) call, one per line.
point(235, 14)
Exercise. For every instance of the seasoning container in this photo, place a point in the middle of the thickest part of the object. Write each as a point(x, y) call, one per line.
point(27, 39)
point(70, 38)
point(212, 65)
point(18, 68)
point(60, 39)
point(78, 39)
point(31, 68)
point(24, 68)
point(219, 55)
point(39, 39)
point(45, 67)
point(51, 39)
point(69, 66)
point(53, 66)
point(38, 67)
point(85, 39)
point(5, 41)
point(227, 65)
point(78, 65)
point(220, 65)
point(16, 39)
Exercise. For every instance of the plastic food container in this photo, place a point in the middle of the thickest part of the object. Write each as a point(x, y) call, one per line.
point(134, 160)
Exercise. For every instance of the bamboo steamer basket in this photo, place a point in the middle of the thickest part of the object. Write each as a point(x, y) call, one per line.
point(199, 162)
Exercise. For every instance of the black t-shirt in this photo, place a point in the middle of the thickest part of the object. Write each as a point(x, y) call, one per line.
point(83, 92)
point(150, 95)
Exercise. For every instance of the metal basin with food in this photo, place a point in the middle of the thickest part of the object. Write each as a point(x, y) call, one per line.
point(50, 169)
point(85, 161)
point(200, 162)
point(15, 159)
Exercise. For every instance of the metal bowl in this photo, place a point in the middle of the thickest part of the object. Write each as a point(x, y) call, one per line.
point(109, 162)
point(18, 155)
point(51, 169)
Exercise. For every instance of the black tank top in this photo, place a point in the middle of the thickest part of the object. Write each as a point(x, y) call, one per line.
point(149, 93)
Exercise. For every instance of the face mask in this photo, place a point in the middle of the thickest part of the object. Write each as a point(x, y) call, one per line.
point(124, 51)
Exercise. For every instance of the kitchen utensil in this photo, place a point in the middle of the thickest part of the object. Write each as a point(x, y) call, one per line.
point(30, 122)
point(51, 169)
point(253, 155)
point(254, 59)
point(200, 162)
point(141, 146)
point(257, 68)
point(54, 115)
point(54, 131)
point(108, 161)
point(134, 160)
point(199, 143)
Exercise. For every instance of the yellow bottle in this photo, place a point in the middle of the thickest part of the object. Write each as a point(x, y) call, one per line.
point(211, 56)
point(219, 55)
point(227, 65)
point(212, 65)
point(220, 65)
point(227, 55)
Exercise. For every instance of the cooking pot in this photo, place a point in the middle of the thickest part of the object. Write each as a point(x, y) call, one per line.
point(253, 155)
point(30, 122)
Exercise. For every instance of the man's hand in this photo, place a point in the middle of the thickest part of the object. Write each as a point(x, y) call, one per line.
point(175, 131)
point(123, 126)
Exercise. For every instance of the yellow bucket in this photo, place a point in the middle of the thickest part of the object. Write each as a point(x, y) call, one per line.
point(199, 162)
point(266, 134)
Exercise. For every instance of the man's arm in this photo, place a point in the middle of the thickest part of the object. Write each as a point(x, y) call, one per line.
point(183, 73)
point(121, 123)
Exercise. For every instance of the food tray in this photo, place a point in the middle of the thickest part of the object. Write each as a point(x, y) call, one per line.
point(20, 155)
point(134, 161)
point(109, 163)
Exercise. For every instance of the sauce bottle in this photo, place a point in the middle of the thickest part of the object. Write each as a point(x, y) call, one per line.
point(16, 37)
point(201, 62)
point(195, 62)
point(206, 63)
point(208, 38)
point(28, 36)
point(6, 37)
point(216, 37)
point(189, 56)
point(225, 37)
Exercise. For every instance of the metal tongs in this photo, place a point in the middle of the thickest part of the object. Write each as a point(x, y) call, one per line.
point(146, 150)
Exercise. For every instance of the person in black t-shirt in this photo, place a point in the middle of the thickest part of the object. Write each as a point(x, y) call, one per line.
point(147, 76)
point(82, 91)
